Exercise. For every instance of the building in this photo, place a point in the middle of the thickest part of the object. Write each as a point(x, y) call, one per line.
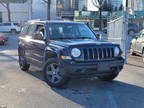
point(19, 11)
point(83, 5)
point(39, 10)
point(74, 4)
point(24, 10)
point(116, 4)
point(139, 5)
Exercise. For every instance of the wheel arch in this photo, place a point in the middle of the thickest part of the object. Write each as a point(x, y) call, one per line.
point(51, 53)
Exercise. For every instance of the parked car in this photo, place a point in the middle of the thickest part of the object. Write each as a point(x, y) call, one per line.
point(67, 49)
point(137, 46)
point(10, 27)
point(2, 40)
point(132, 28)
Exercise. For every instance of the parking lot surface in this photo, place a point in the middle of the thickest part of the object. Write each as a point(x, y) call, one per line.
point(20, 89)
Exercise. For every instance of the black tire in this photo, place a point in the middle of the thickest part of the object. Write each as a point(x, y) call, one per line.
point(52, 74)
point(24, 66)
point(109, 77)
point(13, 31)
point(143, 55)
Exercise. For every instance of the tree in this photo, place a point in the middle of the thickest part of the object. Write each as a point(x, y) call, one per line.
point(6, 4)
point(98, 4)
point(121, 8)
point(48, 8)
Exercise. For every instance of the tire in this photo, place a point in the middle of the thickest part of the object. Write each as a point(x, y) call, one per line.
point(24, 66)
point(52, 74)
point(13, 31)
point(143, 55)
point(108, 77)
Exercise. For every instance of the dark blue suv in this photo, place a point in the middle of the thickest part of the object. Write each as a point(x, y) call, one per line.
point(67, 49)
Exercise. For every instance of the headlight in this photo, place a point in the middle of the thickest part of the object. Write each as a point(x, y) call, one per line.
point(75, 52)
point(116, 51)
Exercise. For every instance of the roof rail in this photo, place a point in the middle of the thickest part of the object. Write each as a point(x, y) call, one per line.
point(35, 20)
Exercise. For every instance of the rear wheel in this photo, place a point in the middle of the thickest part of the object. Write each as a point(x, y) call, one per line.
point(108, 77)
point(22, 62)
point(143, 55)
point(52, 74)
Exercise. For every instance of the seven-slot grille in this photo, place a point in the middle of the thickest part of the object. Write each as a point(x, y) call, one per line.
point(99, 53)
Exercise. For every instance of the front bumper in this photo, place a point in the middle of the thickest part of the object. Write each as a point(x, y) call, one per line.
point(99, 68)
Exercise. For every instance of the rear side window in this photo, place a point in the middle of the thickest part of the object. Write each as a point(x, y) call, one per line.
point(24, 30)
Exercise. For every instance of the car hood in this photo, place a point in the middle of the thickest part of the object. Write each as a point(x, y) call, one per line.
point(80, 42)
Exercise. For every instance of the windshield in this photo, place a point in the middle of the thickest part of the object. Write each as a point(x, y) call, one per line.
point(70, 31)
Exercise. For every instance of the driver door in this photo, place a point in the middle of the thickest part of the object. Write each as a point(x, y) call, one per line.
point(39, 45)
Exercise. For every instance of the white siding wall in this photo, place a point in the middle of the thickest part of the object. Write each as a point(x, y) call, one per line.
point(19, 12)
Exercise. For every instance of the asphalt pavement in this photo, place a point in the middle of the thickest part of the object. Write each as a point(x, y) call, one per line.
point(20, 89)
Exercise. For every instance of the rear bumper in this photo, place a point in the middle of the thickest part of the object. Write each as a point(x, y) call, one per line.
point(100, 68)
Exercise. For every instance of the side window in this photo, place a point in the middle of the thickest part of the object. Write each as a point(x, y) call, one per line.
point(24, 30)
point(7, 24)
point(39, 31)
point(32, 29)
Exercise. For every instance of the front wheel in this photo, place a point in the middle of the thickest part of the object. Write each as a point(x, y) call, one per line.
point(22, 62)
point(108, 77)
point(52, 74)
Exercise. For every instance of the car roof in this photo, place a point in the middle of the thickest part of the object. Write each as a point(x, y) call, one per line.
point(53, 21)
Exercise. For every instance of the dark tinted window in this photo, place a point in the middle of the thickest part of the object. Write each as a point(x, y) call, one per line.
point(16, 24)
point(6, 24)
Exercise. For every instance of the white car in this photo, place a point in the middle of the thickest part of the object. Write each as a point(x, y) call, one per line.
point(10, 27)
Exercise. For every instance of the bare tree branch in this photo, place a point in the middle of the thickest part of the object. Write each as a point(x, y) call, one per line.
point(5, 3)
point(45, 1)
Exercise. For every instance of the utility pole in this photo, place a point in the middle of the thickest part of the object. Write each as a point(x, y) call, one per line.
point(126, 29)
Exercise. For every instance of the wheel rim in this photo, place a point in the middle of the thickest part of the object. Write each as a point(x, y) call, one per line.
point(52, 73)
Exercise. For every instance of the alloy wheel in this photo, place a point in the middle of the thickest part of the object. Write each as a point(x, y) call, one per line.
point(52, 73)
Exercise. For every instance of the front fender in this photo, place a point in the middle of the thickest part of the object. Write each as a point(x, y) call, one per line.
point(52, 53)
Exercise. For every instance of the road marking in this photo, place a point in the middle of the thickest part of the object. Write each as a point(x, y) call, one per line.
point(111, 99)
